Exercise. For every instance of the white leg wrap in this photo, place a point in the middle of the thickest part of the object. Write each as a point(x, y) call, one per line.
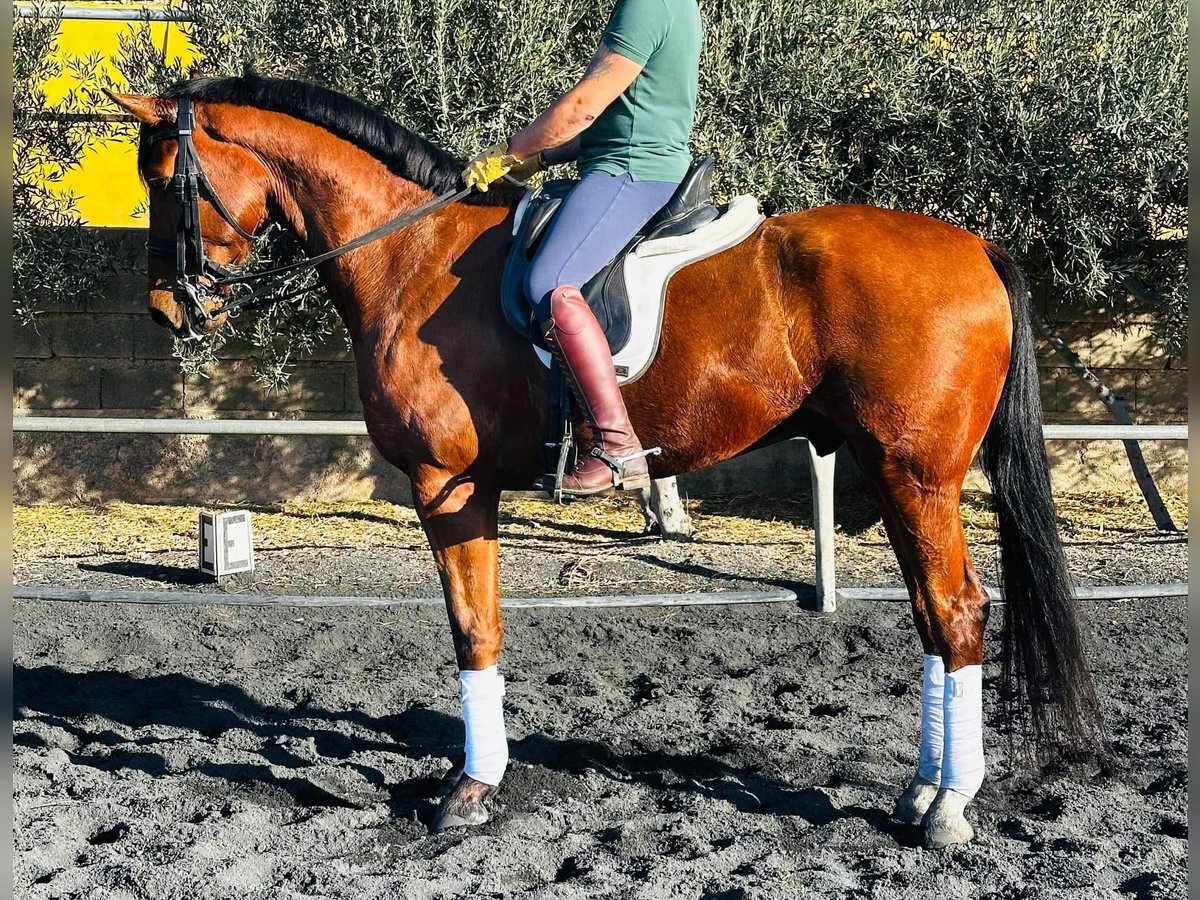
point(962, 758)
point(483, 715)
point(932, 727)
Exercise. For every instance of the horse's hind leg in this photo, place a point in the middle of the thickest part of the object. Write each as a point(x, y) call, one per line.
point(922, 788)
point(950, 607)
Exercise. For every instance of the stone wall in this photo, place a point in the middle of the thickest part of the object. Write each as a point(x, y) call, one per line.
point(109, 359)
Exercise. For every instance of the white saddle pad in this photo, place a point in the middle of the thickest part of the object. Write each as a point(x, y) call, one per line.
point(650, 266)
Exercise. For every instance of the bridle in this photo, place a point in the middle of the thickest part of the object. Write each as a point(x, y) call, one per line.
point(191, 182)
point(199, 279)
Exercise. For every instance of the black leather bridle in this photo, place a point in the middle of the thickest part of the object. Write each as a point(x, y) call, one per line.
point(199, 279)
point(190, 183)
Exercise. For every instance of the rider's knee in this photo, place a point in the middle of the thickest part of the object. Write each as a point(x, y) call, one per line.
point(569, 310)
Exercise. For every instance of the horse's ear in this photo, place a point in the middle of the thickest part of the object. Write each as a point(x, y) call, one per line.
point(145, 107)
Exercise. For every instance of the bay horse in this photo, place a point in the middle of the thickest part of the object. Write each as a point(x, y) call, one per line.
point(900, 335)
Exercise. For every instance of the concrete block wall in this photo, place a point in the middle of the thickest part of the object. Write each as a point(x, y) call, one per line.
point(108, 358)
point(1118, 344)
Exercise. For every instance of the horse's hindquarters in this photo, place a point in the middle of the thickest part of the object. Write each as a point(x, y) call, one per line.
point(724, 375)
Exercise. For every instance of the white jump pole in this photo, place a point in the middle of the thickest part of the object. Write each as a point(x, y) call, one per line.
point(120, 425)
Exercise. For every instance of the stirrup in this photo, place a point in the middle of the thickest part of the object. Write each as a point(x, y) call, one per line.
point(618, 463)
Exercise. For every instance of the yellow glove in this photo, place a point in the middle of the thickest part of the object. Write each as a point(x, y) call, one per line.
point(527, 168)
point(488, 166)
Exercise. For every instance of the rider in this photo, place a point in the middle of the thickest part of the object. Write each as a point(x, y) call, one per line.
point(627, 123)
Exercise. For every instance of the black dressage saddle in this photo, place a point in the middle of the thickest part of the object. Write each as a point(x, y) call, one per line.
point(689, 208)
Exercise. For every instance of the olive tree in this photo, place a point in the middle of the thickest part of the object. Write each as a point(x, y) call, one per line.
point(55, 259)
point(1056, 129)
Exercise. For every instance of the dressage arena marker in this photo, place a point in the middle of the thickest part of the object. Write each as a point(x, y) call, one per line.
point(226, 543)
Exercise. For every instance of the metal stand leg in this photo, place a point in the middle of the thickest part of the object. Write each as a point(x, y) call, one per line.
point(673, 521)
point(821, 469)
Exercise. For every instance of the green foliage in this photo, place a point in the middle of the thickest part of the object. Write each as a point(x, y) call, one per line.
point(55, 259)
point(1056, 129)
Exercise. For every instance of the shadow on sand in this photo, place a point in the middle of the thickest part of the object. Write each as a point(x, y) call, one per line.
point(66, 699)
point(164, 574)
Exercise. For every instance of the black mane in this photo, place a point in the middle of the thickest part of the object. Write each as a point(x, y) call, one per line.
point(406, 154)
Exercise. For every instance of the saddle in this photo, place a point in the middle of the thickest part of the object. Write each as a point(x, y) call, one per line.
point(628, 294)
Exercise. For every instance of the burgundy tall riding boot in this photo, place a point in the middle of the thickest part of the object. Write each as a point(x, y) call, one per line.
point(576, 339)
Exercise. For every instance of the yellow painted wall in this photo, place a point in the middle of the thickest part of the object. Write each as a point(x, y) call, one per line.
point(106, 185)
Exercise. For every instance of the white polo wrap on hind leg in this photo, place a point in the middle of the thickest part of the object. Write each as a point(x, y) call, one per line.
point(483, 715)
point(933, 687)
point(962, 709)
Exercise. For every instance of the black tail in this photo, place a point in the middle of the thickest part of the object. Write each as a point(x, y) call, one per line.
point(1042, 653)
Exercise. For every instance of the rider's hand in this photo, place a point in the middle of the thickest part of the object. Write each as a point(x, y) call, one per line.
point(490, 165)
point(527, 168)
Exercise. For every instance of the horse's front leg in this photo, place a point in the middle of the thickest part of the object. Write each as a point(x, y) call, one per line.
point(460, 519)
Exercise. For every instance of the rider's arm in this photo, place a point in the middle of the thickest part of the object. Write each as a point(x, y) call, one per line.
point(608, 74)
point(563, 153)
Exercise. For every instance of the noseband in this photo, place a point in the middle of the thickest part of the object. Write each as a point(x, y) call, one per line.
point(199, 279)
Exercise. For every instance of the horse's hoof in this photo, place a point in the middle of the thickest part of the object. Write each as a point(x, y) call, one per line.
point(912, 805)
point(944, 823)
point(466, 805)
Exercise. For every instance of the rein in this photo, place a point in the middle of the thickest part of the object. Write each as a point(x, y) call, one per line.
point(255, 297)
point(191, 290)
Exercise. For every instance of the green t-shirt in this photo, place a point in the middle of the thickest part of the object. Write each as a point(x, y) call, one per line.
point(645, 130)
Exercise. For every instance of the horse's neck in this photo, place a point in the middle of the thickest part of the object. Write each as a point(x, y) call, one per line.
point(324, 207)
point(327, 193)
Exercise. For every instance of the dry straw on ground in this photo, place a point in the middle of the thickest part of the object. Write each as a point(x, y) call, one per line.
point(50, 531)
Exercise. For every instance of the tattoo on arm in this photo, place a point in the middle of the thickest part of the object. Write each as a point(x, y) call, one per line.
point(608, 74)
point(601, 64)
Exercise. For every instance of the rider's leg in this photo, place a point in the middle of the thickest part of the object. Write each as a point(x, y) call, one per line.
point(598, 218)
point(581, 347)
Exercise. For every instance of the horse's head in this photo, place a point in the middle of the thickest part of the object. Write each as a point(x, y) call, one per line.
point(206, 230)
